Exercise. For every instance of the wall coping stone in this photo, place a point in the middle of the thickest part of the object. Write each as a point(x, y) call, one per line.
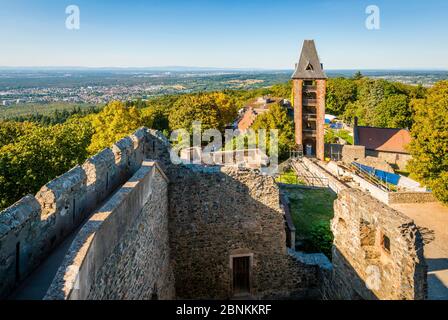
point(83, 258)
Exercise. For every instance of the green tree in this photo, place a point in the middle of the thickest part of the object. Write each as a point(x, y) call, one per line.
point(394, 112)
point(282, 90)
point(213, 110)
point(429, 146)
point(277, 118)
point(358, 75)
point(11, 131)
point(155, 118)
point(39, 156)
point(113, 123)
point(340, 92)
point(370, 95)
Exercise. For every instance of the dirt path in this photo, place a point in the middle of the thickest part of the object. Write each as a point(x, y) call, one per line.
point(432, 219)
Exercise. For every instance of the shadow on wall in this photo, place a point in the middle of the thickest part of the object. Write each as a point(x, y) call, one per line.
point(343, 282)
point(437, 286)
point(121, 252)
point(376, 245)
point(36, 225)
point(219, 218)
point(341, 289)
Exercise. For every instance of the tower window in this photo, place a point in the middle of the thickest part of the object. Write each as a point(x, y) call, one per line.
point(309, 67)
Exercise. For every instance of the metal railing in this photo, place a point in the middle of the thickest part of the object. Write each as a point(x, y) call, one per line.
point(308, 177)
point(370, 177)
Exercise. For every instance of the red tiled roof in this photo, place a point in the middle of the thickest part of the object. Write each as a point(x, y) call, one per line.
point(247, 120)
point(384, 139)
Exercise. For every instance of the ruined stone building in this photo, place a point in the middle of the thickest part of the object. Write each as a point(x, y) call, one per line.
point(144, 228)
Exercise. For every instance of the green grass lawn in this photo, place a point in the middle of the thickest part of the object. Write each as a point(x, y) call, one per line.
point(312, 211)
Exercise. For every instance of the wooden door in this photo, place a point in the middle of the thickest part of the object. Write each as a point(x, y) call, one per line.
point(241, 273)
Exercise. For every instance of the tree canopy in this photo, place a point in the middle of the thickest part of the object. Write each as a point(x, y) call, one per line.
point(277, 118)
point(213, 110)
point(429, 146)
point(113, 123)
point(36, 156)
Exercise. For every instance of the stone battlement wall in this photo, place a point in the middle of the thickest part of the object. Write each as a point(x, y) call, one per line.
point(411, 197)
point(122, 252)
point(35, 225)
point(377, 252)
point(217, 214)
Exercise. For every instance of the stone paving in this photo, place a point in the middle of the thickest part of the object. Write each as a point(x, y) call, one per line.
point(432, 219)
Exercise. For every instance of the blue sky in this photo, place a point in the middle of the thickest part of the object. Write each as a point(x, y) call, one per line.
point(224, 33)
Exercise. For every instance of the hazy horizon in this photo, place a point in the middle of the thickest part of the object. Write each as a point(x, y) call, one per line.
point(199, 68)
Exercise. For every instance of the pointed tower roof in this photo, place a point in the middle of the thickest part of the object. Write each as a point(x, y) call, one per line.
point(309, 66)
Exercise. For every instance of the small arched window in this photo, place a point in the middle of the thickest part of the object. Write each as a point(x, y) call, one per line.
point(309, 67)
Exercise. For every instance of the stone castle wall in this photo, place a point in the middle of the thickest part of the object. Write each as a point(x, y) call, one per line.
point(35, 225)
point(122, 252)
point(411, 197)
point(377, 252)
point(217, 214)
point(214, 214)
point(399, 160)
point(172, 231)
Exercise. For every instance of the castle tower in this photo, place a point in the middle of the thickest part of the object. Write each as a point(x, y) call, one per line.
point(309, 89)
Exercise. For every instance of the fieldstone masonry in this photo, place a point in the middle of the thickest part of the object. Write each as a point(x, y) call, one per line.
point(140, 267)
point(377, 252)
point(219, 214)
point(169, 231)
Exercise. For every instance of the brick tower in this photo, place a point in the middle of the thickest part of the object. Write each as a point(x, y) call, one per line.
point(309, 89)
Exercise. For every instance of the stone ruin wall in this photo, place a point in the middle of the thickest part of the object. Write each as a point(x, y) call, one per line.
point(393, 267)
point(217, 214)
point(212, 215)
point(122, 252)
point(385, 161)
point(361, 155)
point(35, 225)
point(140, 266)
point(399, 160)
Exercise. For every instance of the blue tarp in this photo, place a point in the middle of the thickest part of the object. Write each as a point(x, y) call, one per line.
point(336, 125)
point(388, 177)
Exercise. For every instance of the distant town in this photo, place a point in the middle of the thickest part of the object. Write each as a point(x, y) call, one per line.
point(98, 86)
